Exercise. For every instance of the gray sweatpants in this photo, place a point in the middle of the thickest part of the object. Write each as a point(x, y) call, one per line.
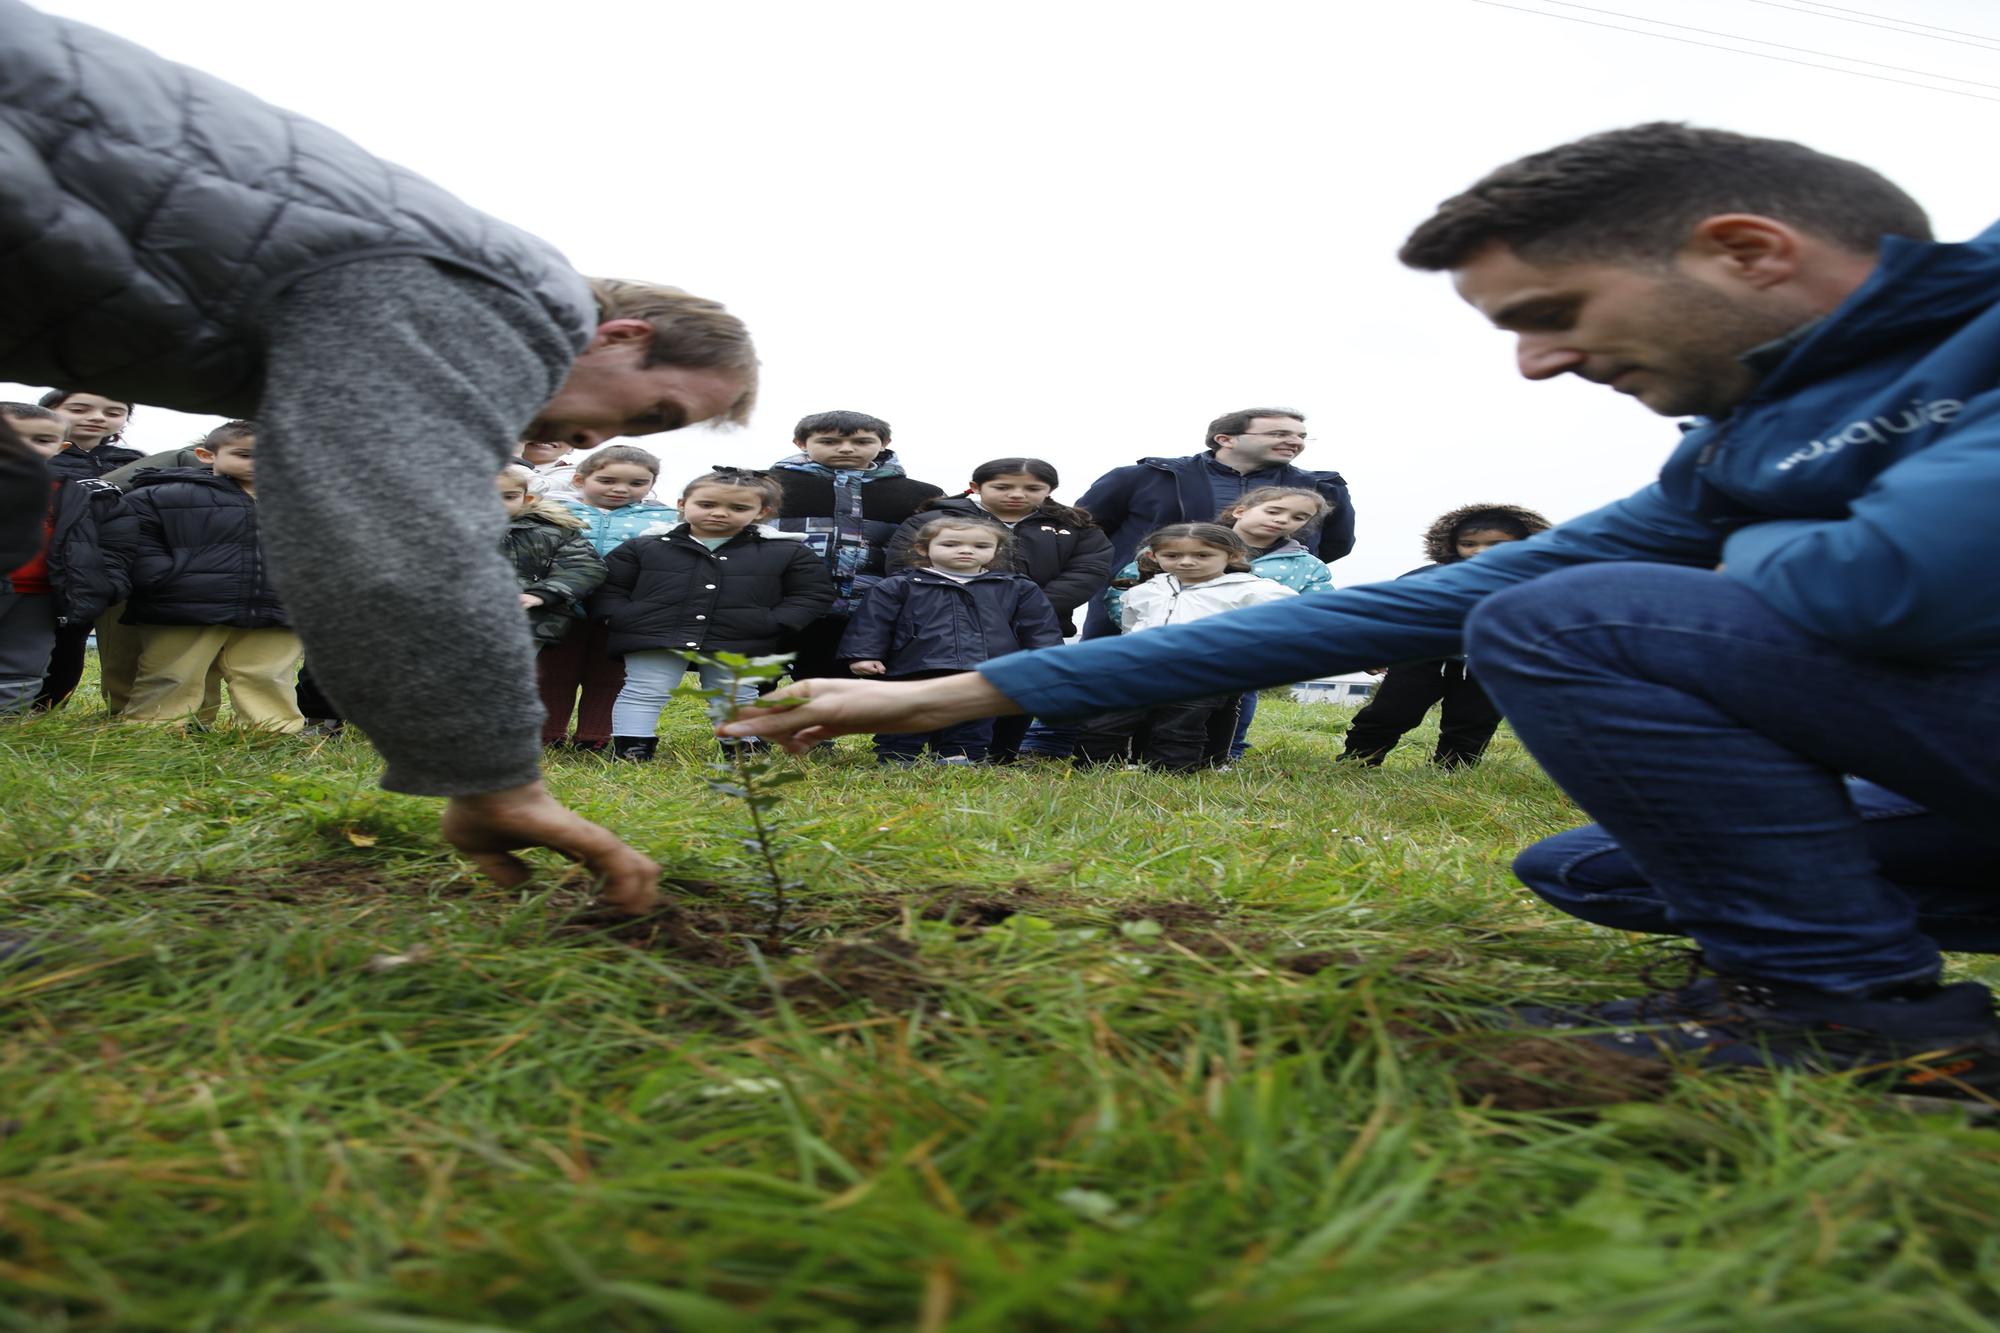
point(395, 389)
point(27, 636)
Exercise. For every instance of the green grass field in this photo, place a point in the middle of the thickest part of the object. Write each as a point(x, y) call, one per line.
point(1041, 1050)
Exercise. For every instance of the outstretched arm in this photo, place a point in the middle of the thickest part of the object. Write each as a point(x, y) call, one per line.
point(858, 707)
point(1295, 638)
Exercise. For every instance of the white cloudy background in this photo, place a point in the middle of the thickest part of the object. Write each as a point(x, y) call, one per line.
point(1081, 229)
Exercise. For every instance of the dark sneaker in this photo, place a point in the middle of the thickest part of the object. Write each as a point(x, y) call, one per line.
point(1930, 1041)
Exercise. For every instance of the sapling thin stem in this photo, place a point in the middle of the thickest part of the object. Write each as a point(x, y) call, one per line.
point(752, 785)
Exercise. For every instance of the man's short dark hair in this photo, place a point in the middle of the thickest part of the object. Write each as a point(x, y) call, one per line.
point(839, 423)
point(1235, 423)
point(1634, 194)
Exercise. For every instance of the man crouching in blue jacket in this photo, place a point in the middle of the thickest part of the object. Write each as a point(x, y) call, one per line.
point(1806, 592)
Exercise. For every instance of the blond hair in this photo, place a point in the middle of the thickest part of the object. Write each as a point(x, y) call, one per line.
point(688, 330)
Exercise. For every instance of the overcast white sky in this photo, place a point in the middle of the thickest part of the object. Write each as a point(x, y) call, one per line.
point(1080, 230)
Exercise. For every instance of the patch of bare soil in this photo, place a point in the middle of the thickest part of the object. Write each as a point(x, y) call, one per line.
point(1550, 1074)
point(882, 970)
point(1170, 914)
point(713, 933)
point(974, 908)
point(1312, 962)
point(301, 881)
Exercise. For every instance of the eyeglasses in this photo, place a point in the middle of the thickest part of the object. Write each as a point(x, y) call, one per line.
point(1298, 435)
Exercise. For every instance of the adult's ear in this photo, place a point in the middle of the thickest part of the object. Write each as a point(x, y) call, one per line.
point(621, 333)
point(1747, 247)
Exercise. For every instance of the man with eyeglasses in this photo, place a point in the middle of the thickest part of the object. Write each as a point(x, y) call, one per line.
point(1247, 449)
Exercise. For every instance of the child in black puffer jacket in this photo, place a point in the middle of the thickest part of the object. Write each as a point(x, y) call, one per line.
point(950, 610)
point(714, 584)
point(187, 544)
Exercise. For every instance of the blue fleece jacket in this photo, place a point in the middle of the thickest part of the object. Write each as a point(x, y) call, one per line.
point(1852, 491)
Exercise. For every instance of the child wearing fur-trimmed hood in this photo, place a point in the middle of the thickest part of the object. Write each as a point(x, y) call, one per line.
point(1468, 719)
point(555, 563)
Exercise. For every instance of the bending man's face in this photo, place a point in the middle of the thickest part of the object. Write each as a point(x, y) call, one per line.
point(1666, 338)
point(612, 392)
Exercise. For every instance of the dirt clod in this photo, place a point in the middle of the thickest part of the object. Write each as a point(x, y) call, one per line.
point(1548, 1074)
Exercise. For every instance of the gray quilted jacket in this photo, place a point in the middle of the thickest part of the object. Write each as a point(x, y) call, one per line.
point(149, 210)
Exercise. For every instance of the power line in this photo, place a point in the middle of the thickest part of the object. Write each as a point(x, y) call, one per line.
point(1907, 32)
point(1983, 36)
point(1737, 50)
point(1806, 50)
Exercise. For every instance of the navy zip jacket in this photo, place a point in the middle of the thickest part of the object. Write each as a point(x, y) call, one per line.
point(1129, 502)
point(186, 542)
point(1069, 562)
point(918, 620)
point(1852, 491)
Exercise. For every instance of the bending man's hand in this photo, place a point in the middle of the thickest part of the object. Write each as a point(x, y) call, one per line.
point(491, 826)
point(846, 707)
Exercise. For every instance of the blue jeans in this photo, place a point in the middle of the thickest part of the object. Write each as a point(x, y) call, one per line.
point(1246, 709)
point(650, 678)
point(1707, 736)
point(1060, 741)
point(1949, 872)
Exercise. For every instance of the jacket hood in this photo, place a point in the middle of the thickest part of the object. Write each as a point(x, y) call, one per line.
point(1439, 543)
point(166, 475)
point(551, 512)
point(886, 464)
point(1919, 289)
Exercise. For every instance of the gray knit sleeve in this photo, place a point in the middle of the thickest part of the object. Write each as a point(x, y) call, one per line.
point(395, 389)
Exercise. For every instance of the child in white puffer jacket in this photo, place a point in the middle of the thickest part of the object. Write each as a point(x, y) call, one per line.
point(1193, 570)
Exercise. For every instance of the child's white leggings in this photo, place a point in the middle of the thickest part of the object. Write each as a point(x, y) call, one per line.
point(650, 678)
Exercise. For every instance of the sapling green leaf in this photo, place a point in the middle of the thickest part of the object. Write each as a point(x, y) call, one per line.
point(749, 773)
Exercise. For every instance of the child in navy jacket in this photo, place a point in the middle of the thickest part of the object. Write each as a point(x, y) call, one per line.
point(950, 610)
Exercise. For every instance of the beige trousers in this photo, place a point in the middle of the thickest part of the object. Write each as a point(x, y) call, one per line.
point(260, 665)
point(118, 666)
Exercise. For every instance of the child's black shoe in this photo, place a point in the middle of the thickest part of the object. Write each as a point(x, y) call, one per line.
point(634, 749)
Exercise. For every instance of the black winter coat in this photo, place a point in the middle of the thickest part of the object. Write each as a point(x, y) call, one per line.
point(1070, 564)
point(186, 542)
point(556, 562)
point(78, 465)
point(920, 621)
point(671, 591)
point(81, 579)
